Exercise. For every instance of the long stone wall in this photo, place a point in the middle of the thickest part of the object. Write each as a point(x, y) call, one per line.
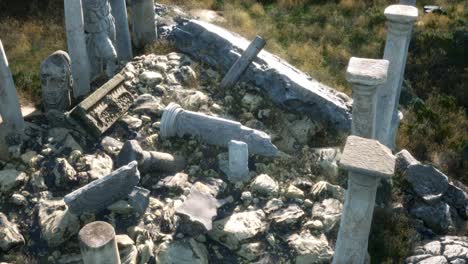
point(284, 84)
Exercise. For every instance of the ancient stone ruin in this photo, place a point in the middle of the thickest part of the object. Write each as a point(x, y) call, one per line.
point(218, 152)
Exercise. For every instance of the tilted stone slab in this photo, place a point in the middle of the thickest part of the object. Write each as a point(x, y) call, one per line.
point(367, 157)
point(99, 194)
point(284, 84)
point(105, 106)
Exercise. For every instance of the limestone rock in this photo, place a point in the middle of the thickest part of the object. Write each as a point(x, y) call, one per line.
point(9, 234)
point(148, 105)
point(99, 165)
point(454, 251)
point(428, 182)
point(56, 222)
point(195, 101)
point(265, 185)
point(322, 190)
point(251, 101)
point(434, 260)
point(132, 122)
point(64, 173)
point(127, 249)
point(233, 230)
point(294, 193)
point(437, 217)
point(252, 251)
point(273, 205)
point(329, 212)
point(186, 251)
point(175, 183)
point(9, 179)
point(151, 77)
point(326, 161)
point(404, 159)
point(287, 217)
point(433, 248)
point(310, 249)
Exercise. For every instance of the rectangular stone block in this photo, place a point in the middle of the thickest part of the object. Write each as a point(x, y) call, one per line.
point(105, 106)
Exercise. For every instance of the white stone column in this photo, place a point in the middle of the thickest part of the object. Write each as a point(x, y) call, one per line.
point(367, 161)
point(144, 22)
point(365, 75)
point(76, 42)
point(123, 41)
point(98, 244)
point(10, 109)
point(400, 23)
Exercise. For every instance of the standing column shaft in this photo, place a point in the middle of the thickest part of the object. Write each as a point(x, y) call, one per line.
point(123, 42)
point(76, 42)
point(400, 23)
point(365, 75)
point(356, 220)
point(366, 161)
point(98, 244)
point(10, 109)
point(144, 23)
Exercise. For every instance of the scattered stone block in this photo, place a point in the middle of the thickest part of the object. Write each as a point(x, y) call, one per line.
point(56, 222)
point(238, 161)
point(310, 249)
point(265, 185)
point(10, 236)
point(103, 192)
point(428, 182)
point(139, 199)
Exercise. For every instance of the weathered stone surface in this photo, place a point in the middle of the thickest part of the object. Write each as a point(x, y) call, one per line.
point(98, 243)
point(252, 251)
point(238, 227)
point(64, 173)
point(404, 159)
point(322, 190)
point(143, 22)
point(401, 13)
point(287, 217)
point(9, 179)
point(284, 84)
point(327, 161)
point(151, 77)
point(9, 234)
point(265, 185)
point(123, 44)
point(198, 212)
point(187, 251)
point(139, 199)
point(310, 249)
point(428, 182)
point(56, 222)
point(101, 193)
point(238, 161)
point(294, 193)
point(434, 260)
point(458, 199)
point(367, 71)
point(175, 183)
point(98, 165)
point(329, 213)
point(127, 249)
point(417, 258)
point(213, 130)
point(105, 106)
point(368, 157)
point(454, 251)
point(437, 216)
point(434, 248)
point(149, 160)
point(56, 80)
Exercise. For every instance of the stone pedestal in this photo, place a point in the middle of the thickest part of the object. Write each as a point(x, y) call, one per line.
point(366, 160)
point(144, 23)
point(10, 110)
point(76, 41)
point(213, 130)
point(123, 42)
point(365, 75)
point(98, 244)
point(400, 24)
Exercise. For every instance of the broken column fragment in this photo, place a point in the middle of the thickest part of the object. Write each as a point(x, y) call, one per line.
point(367, 161)
point(149, 160)
point(213, 130)
point(139, 199)
point(105, 191)
point(239, 67)
point(238, 161)
point(123, 43)
point(144, 23)
point(105, 106)
point(98, 244)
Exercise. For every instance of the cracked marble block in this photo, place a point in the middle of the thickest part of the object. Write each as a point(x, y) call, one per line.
point(367, 161)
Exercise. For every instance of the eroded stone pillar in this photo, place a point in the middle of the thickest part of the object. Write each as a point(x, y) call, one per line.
point(365, 75)
point(177, 121)
point(366, 161)
point(144, 22)
point(76, 42)
point(123, 42)
point(400, 23)
point(98, 244)
point(10, 110)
